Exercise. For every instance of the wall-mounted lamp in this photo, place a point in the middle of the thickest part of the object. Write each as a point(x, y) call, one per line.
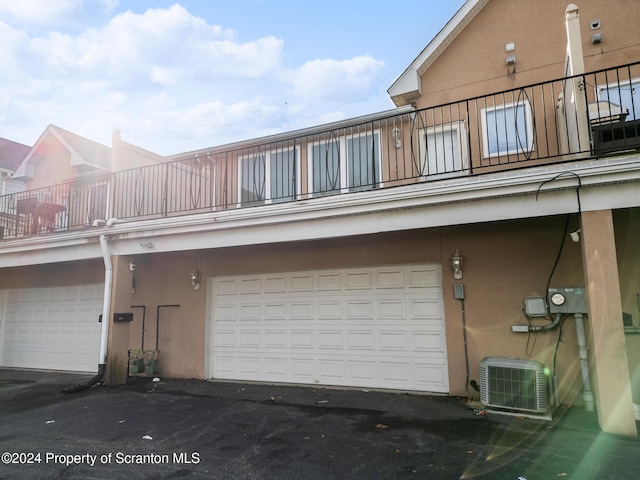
point(596, 38)
point(195, 280)
point(510, 60)
point(396, 136)
point(456, 264)
point(575, 236)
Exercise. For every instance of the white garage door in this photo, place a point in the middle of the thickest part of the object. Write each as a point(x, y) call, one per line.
point(377, 327)
point(51, 328)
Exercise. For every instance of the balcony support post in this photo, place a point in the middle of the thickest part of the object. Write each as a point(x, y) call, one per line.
point(607, 342)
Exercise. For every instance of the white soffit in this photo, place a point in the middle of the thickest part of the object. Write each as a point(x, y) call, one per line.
point(610, 183)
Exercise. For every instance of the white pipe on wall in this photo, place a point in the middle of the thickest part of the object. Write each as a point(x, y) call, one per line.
point(106, 305)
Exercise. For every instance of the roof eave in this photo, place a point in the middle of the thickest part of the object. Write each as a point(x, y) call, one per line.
point(404, 86)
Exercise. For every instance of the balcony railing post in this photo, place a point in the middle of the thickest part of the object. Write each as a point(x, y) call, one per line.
point(468, 131)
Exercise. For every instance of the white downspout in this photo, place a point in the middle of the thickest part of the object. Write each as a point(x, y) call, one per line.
point(106, 312)
point(106, 305)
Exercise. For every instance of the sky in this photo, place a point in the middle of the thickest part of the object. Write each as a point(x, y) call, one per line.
point(177, 76)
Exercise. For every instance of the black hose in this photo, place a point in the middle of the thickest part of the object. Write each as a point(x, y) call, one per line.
point(85, 386)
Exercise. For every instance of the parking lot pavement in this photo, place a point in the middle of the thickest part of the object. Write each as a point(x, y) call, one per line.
point(200, 429)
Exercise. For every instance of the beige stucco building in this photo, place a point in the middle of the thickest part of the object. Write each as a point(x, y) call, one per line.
point(325, 256)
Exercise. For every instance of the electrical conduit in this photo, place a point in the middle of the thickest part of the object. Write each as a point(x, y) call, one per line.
point(587, 394)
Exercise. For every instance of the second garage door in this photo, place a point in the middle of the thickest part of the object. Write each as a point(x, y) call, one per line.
point(377, 327)
point(51, 328)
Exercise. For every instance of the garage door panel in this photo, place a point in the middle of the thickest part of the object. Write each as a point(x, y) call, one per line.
point(52, 328)
point(251, 285)
point(363, 340)
point(393, 341)
point(362, 373)
point(369, 327)
point(300, 283)
point(302, 339)
point(395, 373)
point(359, 281)
point(302, 311)
point(429, 342)
point(328, 282)
point(275, 285)
point(275, 311)
point(225, 339)
point(276, 367)
point(249, 365)
point(427, 277)
point(302, 369)
point(330, 340)
point(226, 287)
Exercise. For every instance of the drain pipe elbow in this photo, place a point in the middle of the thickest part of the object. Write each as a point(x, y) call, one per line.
point(85, 386)
point(104, 334)
point(546, 328)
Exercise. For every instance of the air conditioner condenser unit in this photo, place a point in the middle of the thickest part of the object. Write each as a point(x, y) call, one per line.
point(513, 384)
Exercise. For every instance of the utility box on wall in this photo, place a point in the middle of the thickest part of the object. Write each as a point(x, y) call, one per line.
point(568, 300)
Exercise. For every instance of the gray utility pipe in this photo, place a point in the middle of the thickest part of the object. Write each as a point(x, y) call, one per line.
point(587, 394)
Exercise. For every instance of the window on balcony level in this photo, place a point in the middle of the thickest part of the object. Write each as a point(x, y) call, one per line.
point(625, 94)
point(269, 177)
point(507, 129)
point(347, 163)
point(444, 149)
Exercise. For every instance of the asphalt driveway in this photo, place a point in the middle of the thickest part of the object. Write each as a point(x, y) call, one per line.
point(199, 429)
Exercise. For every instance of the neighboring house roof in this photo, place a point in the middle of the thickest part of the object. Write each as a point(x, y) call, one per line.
point(406, 89)
point(84, 153)
point(11, 154)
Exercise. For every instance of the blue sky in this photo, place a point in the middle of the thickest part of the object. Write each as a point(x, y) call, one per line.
point(180, 76)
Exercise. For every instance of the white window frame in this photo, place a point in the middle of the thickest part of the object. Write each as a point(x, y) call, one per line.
point(462, 150)
point(267, 173)
point(633, 82)
point(344, 162)
point(529, 130)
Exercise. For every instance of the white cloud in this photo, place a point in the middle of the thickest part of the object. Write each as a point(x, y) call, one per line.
point(169, 80)
point(163, 46)
point(336, 80)
point(37, 11)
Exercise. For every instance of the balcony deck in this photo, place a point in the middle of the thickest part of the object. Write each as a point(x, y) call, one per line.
point(526, 127)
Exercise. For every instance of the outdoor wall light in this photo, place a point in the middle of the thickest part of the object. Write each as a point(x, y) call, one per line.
point(396, 137)
point(456, 264)
point(194, 277)
point(575, 236)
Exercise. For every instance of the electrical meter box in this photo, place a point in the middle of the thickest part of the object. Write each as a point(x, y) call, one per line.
point(568, 300)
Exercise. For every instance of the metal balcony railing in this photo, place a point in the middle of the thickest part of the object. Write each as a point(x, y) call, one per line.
point(65, 206)
point(528, 126)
